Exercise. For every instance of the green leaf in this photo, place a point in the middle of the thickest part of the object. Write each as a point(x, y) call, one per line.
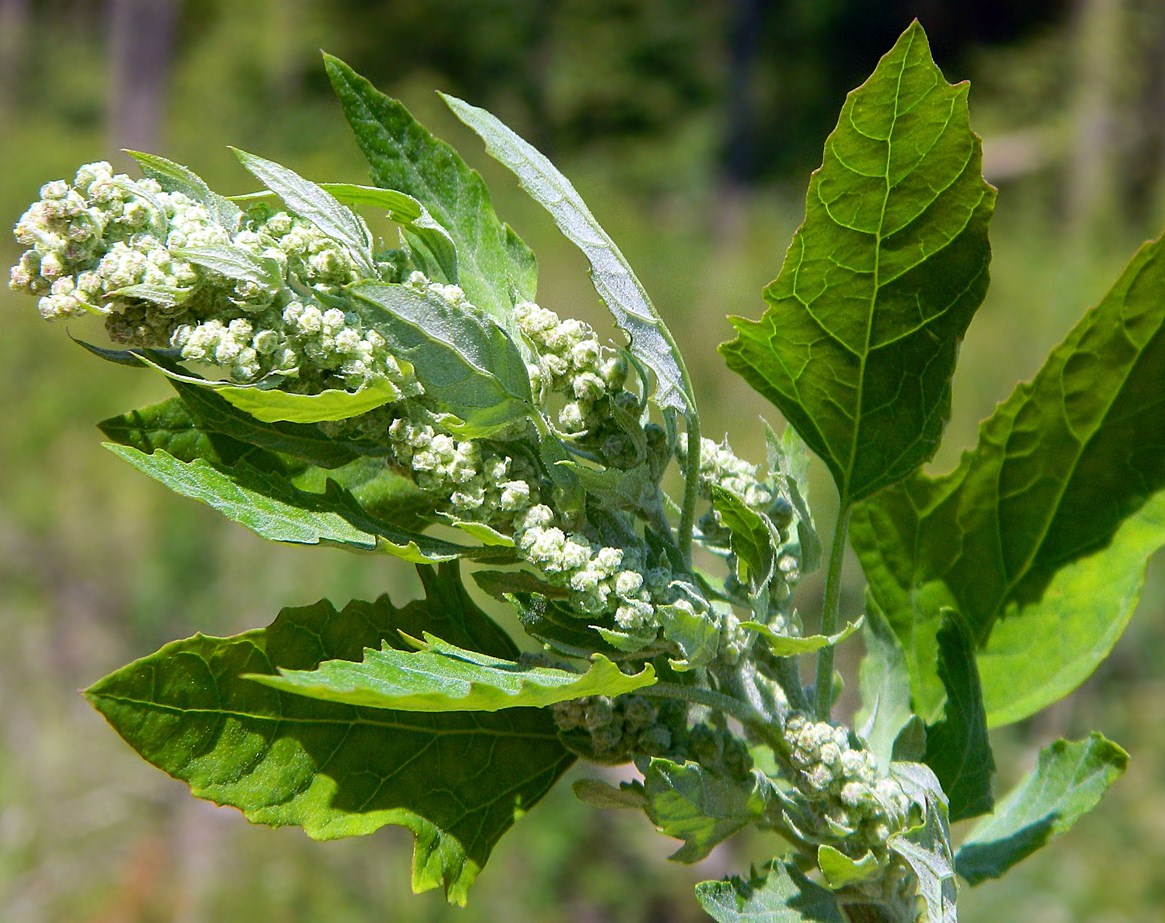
point(270, 405)
point(885, 685)
point(695, 632)
point(788, 461)
point(300, 440)
point(458, 781)
point(165, 295)
point(650, 340)
point(407, 212)
point(271, 507)
point(171, 427)
point(791, 646)
point(377, 489)
point(781, 895)
point(703, 809)
point(628, 796)
point(495, 269)
point(173, 177)
point(753, 537)
point(957, 748)
point(927, 846)
point(232, 262)
point(465, 361)
point(550, 621)
point(1040, 537)
point(859, 341)
point(309, 201)
point(1068, 782)
point(839, 870)
point(440, 677)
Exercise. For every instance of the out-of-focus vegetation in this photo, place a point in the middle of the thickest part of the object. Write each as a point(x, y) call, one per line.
point(690, 128)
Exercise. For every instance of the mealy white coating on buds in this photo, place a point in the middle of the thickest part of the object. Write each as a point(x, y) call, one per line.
point(572, 362)
point(604, 579)
point(841, 782)
point(719, 465)
point(104, 233)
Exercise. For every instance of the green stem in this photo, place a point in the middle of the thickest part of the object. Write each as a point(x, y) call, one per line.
point(709, 698)
point(829, 617)
point(691, 489)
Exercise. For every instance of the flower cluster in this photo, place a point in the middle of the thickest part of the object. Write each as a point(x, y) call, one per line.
point(137, 254)
point(719, 465)
point(476, 481)
point(572, 362)
point(613, 730)
point(855, 807)
point(605, 579)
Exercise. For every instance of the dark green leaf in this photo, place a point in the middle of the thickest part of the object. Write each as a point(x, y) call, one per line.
point(309, 201)
point(1039, 538)
point(173, 177)
point(650, 341)
point(495, 269)
point(458, 781)
point(1067, 783)
point(465, 361)
point(305, 441)
point(440, 677)
point(171, 427)
point(957, 748)
point(552, 622)
point(859, 341)
point(782, 894)
point(271, 507)
point(753, 537)
point(688, 802)
point(379, 491)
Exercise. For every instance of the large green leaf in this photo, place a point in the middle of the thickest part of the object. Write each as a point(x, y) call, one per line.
point(441, 677)
point(494, 268)
point(701, 808)
point(272, 507)
point(466, 362)
point(1040, 537)
point(457, 780)
point(957, 749)
point(1068, 782)
point(859, 341)
point(650, 341)
point(779, 894)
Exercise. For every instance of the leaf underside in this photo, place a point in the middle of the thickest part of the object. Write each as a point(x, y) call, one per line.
point(1040, 537)
point(457, 780)
point(859, 341)
point(782, 894)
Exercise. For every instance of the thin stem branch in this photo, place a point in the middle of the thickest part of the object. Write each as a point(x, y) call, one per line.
point(691, 488)
point(829, 615)
point(741, 711)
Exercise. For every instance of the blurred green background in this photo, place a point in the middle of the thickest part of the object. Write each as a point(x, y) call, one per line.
point(690, 127)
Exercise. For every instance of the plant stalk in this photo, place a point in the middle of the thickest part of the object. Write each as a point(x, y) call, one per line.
point(691, 488)
point(829, 615)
